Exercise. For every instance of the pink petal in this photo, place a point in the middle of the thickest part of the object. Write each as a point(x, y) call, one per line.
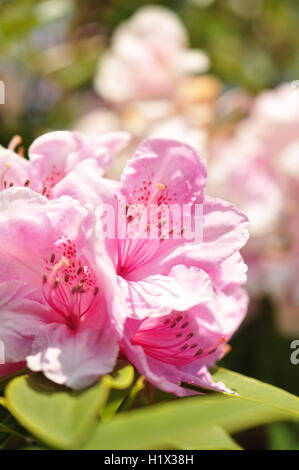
point(7, 369)
point(165, 162)
point(158, 295)
point(30, 225)
point(76, 359)
point(54, 154)
point(20, 317)
point(13, 169)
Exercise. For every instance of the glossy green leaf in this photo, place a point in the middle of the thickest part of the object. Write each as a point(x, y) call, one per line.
point(57, 416)
point(259, 392)
point(4, 381)
point(148, 428)
point(210, 437)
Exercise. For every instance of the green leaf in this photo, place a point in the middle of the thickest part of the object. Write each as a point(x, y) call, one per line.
point(7, 378)
point(210, 437)
point(149, 428)
point(57, 416)
point(259, 392)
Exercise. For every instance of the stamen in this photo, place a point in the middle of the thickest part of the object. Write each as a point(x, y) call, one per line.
point(14, 142)
point(165, 341)
point(21, 151)
point(68, 295)
point(199, 352)
point(3, 183)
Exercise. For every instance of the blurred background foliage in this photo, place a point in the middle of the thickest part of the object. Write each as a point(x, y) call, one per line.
point(49, 50)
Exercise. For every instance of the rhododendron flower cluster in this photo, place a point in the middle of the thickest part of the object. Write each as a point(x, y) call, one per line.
point(257, 169)
point(153, 40)
point(74, 298)
point(152, 84)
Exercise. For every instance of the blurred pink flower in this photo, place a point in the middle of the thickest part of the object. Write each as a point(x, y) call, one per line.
point(257, 169)
point(148, 55)
point(54, 307)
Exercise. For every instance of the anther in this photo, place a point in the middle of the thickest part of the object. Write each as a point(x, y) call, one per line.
point(213, 350)
point(26, 184)
point(14, 142)
point(199, 352)
point(52, 259)
point(160, 186)
point(184, 325)
point(96, 290)
point(21, 151)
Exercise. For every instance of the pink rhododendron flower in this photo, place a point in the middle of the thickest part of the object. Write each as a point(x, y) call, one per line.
point(53, 155)
point(54, 307)
point(148, 56)
point(163, 277)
